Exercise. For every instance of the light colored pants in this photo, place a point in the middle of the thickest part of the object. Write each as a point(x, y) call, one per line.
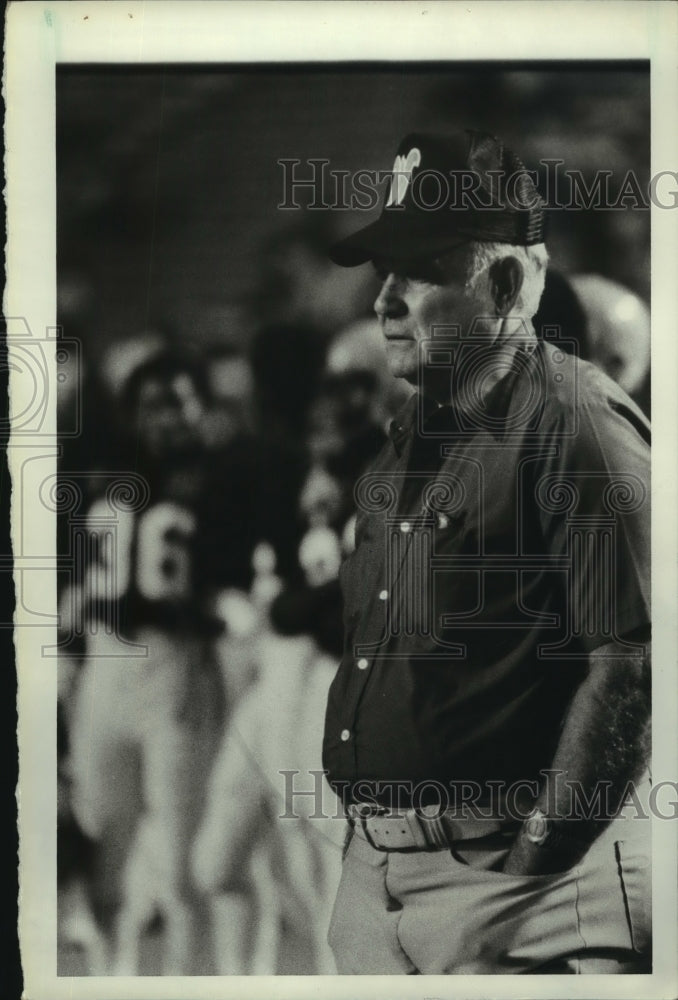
point(144, 734)
point(446, 912)
point(288, 867)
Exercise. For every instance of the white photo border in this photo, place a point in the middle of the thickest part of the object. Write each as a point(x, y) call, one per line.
point(40, 35)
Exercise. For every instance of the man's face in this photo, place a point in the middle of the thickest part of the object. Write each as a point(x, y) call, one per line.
point(170, 413)
point(417, 295)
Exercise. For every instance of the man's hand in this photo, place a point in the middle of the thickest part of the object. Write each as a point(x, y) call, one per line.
point(526, 858)
point(605, 738)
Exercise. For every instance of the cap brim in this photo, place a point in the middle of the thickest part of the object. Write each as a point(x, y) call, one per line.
point(396, 236)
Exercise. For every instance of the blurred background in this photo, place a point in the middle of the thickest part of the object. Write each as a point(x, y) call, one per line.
point(231, 380)
point(168, 181)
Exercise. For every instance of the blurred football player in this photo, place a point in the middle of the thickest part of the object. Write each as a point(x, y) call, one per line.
point(151, 699)
point(265, 857)
point(618, 324)
point(356, 357)
point(271, 879)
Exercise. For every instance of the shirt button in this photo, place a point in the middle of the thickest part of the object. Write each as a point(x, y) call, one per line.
point(405, 527)
point(383, 595)
point(363, 664)
point(345, 735)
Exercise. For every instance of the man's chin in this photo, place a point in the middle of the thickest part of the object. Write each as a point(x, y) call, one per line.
point(405, 372)
point(402, 362)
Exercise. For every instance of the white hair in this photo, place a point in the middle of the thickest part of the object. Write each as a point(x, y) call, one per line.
point(534, 260)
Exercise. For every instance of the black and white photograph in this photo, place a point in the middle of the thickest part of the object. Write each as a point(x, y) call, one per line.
point(339, 540)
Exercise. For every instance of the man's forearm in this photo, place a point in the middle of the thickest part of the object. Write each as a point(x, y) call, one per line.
point(605, 738)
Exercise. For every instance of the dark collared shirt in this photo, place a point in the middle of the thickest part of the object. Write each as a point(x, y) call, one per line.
point(494, 551)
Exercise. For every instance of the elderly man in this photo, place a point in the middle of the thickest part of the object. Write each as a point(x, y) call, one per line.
point(488, 724)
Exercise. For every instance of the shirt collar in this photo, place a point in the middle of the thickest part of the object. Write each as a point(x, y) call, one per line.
point(417, 407)
point(401, 425)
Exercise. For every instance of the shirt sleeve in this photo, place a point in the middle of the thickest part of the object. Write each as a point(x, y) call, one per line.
point(594, 504)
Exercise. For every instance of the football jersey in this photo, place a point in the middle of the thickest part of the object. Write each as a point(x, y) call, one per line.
point(153, 548)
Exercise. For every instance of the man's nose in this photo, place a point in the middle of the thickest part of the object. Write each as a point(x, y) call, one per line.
point(389, 303)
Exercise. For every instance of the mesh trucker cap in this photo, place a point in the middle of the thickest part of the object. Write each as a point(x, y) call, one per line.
point(447, 189)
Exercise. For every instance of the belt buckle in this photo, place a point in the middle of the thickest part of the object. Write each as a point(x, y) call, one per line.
point(418, 830)
point(432, 828)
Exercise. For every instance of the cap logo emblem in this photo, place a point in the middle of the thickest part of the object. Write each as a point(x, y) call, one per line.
point(402, 175)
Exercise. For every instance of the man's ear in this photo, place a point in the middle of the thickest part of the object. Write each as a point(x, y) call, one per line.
point(506, 280)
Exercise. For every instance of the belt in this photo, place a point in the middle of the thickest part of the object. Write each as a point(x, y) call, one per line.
point(416, 830)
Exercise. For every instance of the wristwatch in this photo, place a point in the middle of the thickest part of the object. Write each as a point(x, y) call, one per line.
point(544, 832)
point(537, 827)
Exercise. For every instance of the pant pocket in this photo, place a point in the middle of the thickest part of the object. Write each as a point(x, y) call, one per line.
point(489, 861)
point(633, 866)
point(348, 837)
